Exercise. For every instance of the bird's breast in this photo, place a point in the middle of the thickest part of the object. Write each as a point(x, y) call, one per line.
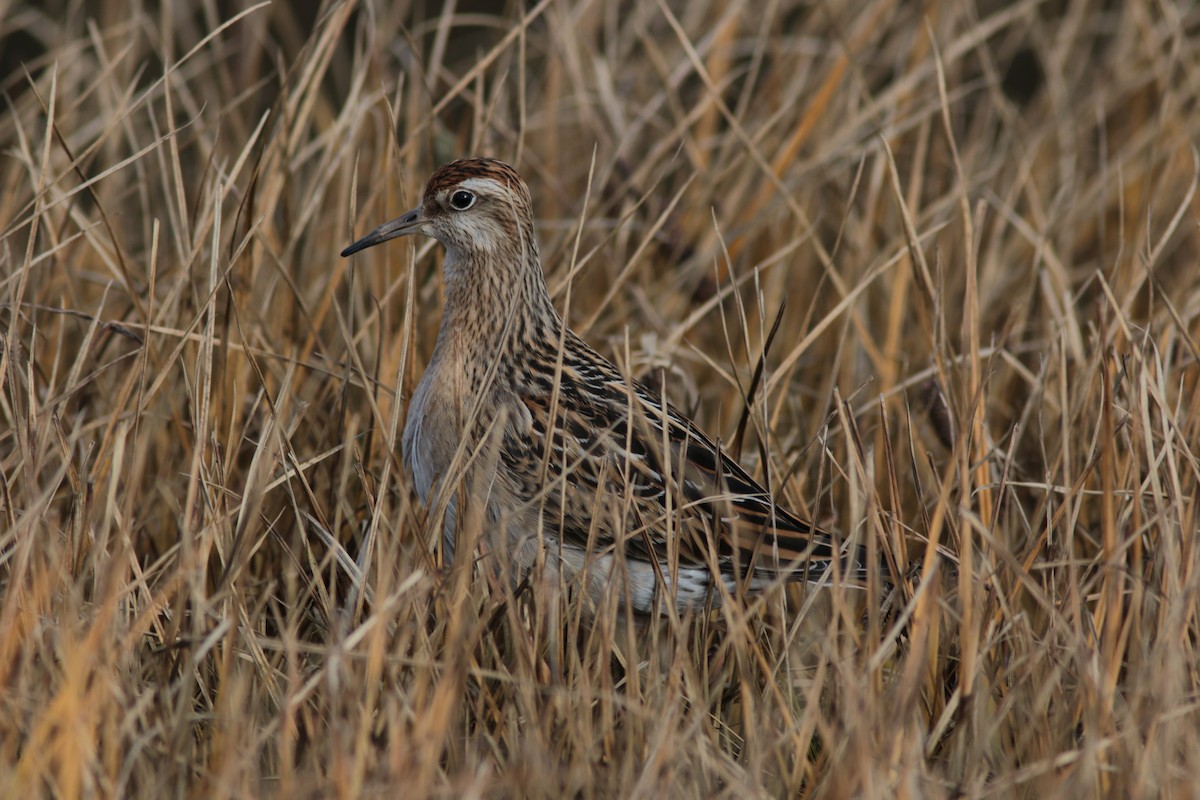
point(432, 429)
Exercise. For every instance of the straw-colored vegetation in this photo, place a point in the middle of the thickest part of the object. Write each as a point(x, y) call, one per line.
point(974, 225)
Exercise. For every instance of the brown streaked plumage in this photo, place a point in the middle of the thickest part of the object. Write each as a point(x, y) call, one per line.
point(572, 461)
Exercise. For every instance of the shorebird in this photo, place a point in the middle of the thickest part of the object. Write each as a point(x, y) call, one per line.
point(580, 469)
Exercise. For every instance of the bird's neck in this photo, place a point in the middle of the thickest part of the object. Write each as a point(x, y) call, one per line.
point(496, 303)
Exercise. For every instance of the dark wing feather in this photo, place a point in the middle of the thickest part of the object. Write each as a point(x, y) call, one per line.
point(604, 483)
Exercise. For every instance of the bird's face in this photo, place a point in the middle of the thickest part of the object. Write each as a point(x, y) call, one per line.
point(474, 205)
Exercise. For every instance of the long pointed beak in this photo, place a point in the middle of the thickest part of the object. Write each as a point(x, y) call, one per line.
point(400, 226)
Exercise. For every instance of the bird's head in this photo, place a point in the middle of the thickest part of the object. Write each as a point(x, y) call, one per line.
point(473, 206)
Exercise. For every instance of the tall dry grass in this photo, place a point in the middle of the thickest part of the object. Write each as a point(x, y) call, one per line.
point(976, 225)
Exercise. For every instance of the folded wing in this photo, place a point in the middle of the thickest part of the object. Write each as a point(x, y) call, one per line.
point(656, 489)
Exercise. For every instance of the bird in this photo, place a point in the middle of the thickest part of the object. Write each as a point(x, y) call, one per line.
point(580, 470)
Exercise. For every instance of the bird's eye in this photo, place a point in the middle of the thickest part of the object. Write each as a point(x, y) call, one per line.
point(462, 200)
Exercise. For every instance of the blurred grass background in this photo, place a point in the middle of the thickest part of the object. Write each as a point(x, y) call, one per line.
point(976, 225)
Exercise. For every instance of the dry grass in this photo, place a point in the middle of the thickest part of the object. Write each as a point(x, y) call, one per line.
point(216, 581)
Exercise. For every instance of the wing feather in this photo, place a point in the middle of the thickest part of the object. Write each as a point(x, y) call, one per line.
point(655, 489)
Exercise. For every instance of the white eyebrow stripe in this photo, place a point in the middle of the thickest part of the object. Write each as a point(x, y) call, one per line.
point(485, 185)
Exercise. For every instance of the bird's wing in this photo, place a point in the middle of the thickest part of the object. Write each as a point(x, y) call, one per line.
point(658, 488)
